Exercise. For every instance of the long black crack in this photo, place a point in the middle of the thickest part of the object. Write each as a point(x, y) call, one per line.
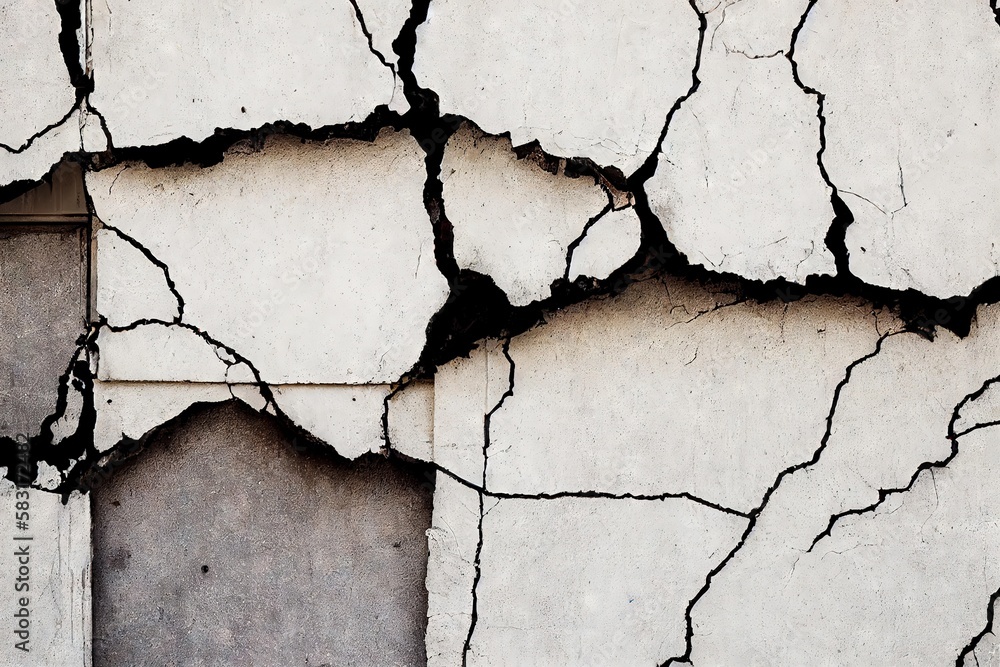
point(970, 648)
point(756, 512)
point(154, 260)
point(571, 248)
point(953, 438)
point(482, 499)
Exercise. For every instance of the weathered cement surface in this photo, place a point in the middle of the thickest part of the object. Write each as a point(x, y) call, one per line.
point(57, 579)
point(676, 412)
point(43, 298)
point(291, 255)
point(911, 136)
point(223, 545)
point(246, 64)
point(610, 603)
point(628, 67)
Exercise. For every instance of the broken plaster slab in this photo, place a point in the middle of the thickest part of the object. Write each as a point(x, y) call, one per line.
point(737, 187)
point(185, 69)
point(159, 353)
point(911, 136)
point(131, 288)
point(891, 418)
point(688, 409)
point(582, 80)
point(610, 603)
point(57, 574)
point(348, 418)
point(293, 255)
point(37, 90)
point(513, 220)
point(608, 244)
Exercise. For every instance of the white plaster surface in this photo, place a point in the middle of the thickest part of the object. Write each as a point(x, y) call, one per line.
point(607, 245)
point(645, 394)
point(131, 288)
point(581, 80)
point(59, 579)
point(158, 353)
point(737, 187)
point(582, 580)
point(245, 64)
point(513, 221)
point(411, 420)
point(293, 255)
point(911, 136)
point(37, 92)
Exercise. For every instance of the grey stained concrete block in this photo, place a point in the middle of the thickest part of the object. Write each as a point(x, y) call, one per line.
point(220, 544)
point(43, 292)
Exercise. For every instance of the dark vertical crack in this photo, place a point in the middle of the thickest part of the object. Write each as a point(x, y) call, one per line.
point(953, 437)
point(836, 237)
point(756, 512)
point(482, 500)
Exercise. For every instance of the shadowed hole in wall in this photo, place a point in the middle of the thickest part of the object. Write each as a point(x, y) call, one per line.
point(222, 543)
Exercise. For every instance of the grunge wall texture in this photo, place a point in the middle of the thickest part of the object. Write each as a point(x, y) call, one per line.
point(555, 332)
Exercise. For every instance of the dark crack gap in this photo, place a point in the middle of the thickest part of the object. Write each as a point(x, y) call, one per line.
point(152, 259)
point(368, 35)
point(884, 494)
point(756, 512)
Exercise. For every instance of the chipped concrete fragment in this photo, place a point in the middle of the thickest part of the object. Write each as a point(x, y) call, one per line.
point(129, 410)
point(644, 394)
point(411, 421)
point(131, 288)
point(737, 187)
point(583, 581)
point(246, 64)
point(37, 92)
point(296, 254)
point(59, 592)
point(158, 353)
point(911, 136)
point(607, 245)
point(582, 80)
point(348, 418)
point(513, 221)
point(452, 540)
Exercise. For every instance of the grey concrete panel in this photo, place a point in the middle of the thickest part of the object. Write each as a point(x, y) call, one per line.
point(220, 544)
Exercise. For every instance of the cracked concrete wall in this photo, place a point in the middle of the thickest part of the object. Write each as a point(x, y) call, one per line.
point(690, 308)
